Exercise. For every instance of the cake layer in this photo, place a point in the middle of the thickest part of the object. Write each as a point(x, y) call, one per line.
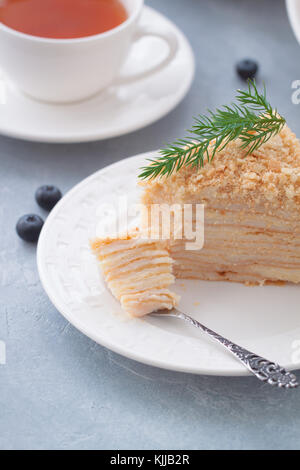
point(242, 252)
point(142, 303)
point(138, 272)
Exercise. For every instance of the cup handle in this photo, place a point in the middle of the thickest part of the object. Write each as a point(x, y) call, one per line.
point(167, 36)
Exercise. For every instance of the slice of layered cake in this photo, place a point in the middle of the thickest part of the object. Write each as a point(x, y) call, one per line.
point(242, 165)
point(252, 212)
point(138, 272)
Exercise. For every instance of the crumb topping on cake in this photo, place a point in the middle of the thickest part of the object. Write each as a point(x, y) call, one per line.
point(268, 176)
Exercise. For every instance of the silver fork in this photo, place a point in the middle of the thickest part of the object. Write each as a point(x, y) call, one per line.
point(265, 370)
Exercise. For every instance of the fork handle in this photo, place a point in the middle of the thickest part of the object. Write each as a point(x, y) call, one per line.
point(263, 369)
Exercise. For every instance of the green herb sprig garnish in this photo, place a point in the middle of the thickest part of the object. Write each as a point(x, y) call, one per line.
point(252, 119)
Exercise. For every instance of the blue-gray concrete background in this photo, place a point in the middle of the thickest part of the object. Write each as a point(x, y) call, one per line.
point(60, 390)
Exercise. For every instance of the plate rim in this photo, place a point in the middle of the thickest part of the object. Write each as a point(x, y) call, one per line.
point(123, 351)
point(295, 25)
point(94, 136)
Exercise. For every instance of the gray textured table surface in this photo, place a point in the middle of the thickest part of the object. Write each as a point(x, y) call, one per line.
point(60, 390)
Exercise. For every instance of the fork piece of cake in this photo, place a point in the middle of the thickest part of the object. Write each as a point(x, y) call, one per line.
point(252, 212)
point(137, 271)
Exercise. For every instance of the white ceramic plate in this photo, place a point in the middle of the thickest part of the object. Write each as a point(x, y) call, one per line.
point(116, 111)
point(266, 320)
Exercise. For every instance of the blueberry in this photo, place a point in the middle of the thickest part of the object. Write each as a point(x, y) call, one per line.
point(247, 68)
point(47, 196)
point(29, 227)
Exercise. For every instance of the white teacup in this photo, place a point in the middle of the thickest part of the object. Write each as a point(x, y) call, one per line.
point(66, 70)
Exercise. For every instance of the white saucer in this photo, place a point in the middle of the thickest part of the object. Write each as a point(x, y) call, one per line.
point(113, 112)
point(263, 319)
